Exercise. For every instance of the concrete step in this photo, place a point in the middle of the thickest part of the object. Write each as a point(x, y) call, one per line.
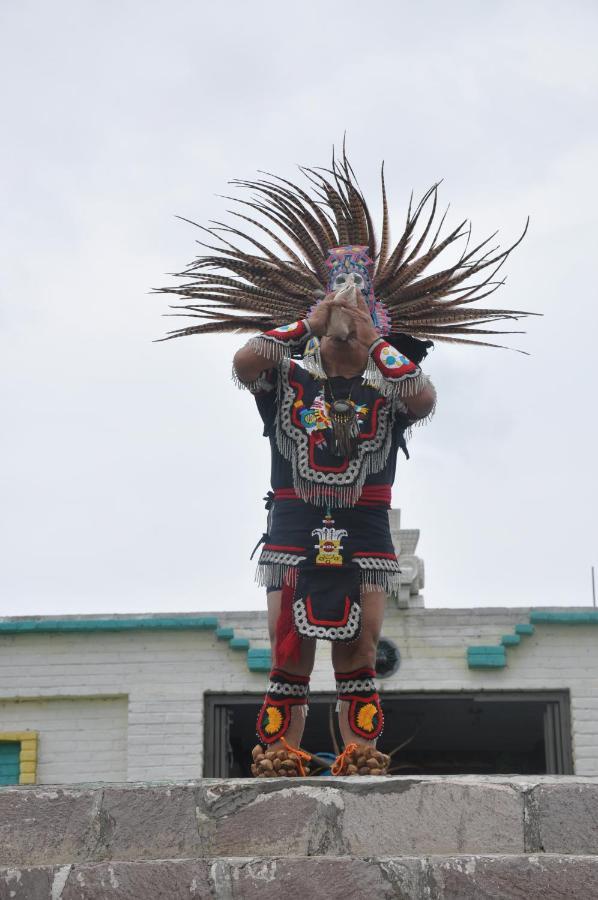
point(362, 817)
point(496, 877)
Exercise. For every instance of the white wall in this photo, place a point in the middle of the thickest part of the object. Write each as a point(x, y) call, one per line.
point(165, 675)
point(433, 645)
point(79, 740)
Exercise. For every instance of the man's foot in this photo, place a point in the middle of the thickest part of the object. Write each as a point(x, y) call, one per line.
point(361, 759)
point(287, 762)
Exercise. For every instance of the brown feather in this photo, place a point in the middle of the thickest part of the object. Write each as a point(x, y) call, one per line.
point(234, 289)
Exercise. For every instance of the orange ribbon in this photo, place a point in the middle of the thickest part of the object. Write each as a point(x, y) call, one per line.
point(340, 762)
point(301, 754)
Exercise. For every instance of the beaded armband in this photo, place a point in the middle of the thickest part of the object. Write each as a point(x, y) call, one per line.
point(282, 342)
point(358, 688)
point(277, 344)
point(392, 373)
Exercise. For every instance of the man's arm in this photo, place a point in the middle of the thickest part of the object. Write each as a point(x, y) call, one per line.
point(266, 350)
point(404, 379)
point(396, 375)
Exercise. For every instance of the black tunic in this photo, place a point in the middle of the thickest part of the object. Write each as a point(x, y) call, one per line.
point(329, 510)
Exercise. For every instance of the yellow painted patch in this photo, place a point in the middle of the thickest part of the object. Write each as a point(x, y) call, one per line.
point(365, 717)
point(274, 720)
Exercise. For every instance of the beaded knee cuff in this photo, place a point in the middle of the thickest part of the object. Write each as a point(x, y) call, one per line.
point(358, 688)
point(284, 692)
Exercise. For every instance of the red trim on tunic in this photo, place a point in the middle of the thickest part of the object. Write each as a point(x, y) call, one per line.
point(371, 495)
point(284, 547)
point(338, 622)
point(374, 553)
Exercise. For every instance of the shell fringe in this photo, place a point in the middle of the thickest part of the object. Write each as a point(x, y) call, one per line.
point(274, 575)
point(254, 387)
point(270, 348)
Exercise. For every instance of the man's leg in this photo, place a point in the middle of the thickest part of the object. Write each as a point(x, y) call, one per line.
point(303, 668)
point(350, 660)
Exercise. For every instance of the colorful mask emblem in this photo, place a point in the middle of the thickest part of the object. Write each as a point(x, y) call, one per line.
point(316, 418)
point(353, 262)
point(329, 546)
point(350, 263)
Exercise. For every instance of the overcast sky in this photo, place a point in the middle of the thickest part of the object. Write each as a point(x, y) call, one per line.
point(132, 472)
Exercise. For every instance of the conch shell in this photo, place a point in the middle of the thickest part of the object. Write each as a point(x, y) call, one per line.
point(340, 323)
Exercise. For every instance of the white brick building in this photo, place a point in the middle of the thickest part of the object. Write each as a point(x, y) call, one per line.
point(173, 697)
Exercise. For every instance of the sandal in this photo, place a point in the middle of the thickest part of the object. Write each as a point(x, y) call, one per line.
point(287, 763)
point(361, 759)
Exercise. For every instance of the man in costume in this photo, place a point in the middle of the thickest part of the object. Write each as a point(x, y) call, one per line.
point(345, 323)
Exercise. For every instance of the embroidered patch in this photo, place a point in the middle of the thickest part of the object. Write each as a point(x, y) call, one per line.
point(292, 333)
point(329, 545)
point(366, 718)
point(392, 363)
point(392, 359)
point(315, 418)
point(283, 329)
point(273, 721)
point(284, 692)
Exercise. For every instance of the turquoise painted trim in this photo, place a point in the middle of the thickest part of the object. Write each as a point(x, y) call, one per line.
point(259, 659)
point(524, 628)
point(478, 657)
point(510, 640)
point(259, 665)
point(487, 662)
point(565, 618)
point(239, 643)
point(163, 623)
point(225, 634)
point(486, 657)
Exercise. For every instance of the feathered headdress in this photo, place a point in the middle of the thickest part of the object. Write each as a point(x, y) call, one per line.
point(255, 290)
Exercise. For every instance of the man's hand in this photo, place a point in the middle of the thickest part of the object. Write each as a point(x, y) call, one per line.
point(318, 321)
point(363, 327)
point(365, 332)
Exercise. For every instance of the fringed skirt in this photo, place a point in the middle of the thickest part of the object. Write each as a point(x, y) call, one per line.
point(302, 537)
